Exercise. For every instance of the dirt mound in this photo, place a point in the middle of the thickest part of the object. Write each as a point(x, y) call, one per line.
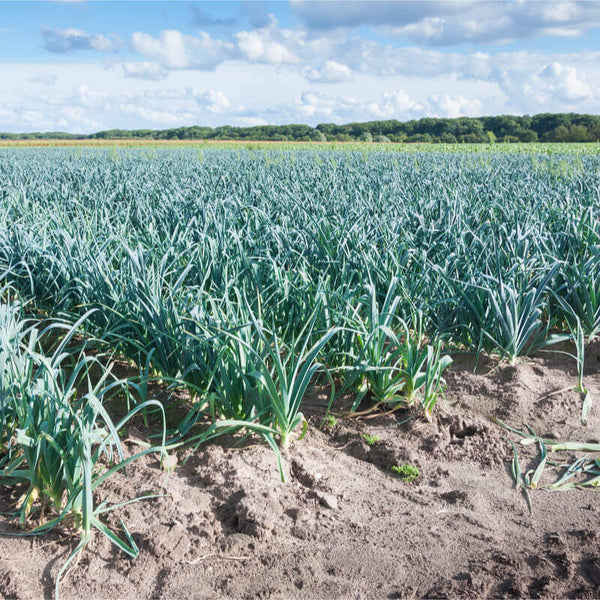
point(472, 439)
point(345, 525)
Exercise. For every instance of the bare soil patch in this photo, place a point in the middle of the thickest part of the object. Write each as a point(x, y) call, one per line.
point(343, 525)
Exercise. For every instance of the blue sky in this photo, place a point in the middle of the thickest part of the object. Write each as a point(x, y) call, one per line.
point(81, 66)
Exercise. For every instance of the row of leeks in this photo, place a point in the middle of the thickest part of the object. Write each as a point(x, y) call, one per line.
point(58, 443)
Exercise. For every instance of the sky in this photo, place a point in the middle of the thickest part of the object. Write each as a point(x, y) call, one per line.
point(84, 66)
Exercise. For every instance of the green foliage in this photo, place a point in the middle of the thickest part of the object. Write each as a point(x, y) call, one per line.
point(482, 130)
point(329, 421)
point(284, 373)
point(393, 364)
point(582, 473)
point(578, 299)
point(376, 369)
point(370, 440)
point(58, 442)
point(408, 473)
point(251, 275)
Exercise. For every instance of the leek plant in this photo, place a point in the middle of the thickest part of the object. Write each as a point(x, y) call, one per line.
point(239, 353)
point(577, 336)
point(422, 364)
point(433, 381)
point(285, 373)
point(578, 298)
point(582, 473)
point(504, 313)
point(268, 386)
point(56, 430)
point(376, 370)
point(147, 242)
point(394, 364)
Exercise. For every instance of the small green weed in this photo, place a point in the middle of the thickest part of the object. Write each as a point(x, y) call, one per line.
point(370, 440)
point(407, 473)
point(329, 421)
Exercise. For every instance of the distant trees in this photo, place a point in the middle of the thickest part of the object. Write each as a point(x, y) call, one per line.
point(549, 127)
point(382, 139)
point(501, 129)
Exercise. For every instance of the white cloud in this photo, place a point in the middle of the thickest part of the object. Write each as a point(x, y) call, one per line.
point(559, 12)
point(145, 70)
point(145, 44)
point(331, 72)
point(62, 41)
point(395, 105)
point(165, 94)
point(500, 22)
point(564, 83)
point(78, 117)
point(87, 96)
point(266, 45)
point(213, 100)
point(451, 107)
point(175, 50)
point(105, 101)
point(169, 49)
point(327, 58)
point(333, 57)
point(552, 85)
point(165, 118)
point(454, 22)
point(316, 106)
point(248, 121)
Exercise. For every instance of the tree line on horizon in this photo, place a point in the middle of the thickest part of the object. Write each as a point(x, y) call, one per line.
point(547, 127)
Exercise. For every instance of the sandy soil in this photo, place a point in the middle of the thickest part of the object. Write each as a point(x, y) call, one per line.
point(344, 526)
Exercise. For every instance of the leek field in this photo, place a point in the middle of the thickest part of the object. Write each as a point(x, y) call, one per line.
point(199, 293)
